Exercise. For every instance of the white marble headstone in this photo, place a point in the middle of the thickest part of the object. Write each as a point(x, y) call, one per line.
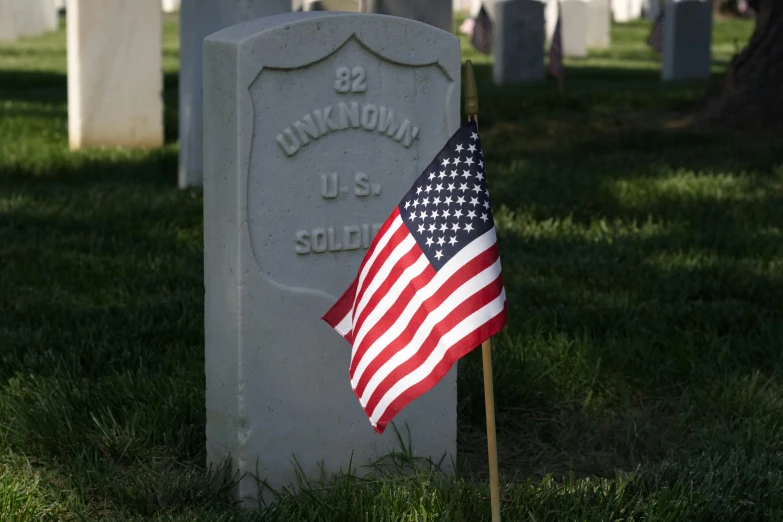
point(315, 124)
point(31, 17)
point(198, 19)
point(551, 13)
point(621, 11)
point(433, 12)
point(51, 15)
point(7, 21)
point(115, 75)
point(171, 6)
point(687, 34)
point(637, 9)
point(598, 24)
point(575, 17)
point(518, 42)
point(626, 10)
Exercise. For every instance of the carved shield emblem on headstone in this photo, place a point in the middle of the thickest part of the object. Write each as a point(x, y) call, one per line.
point(347, 128)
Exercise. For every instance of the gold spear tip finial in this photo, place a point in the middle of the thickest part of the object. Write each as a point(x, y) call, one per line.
point(471, 93)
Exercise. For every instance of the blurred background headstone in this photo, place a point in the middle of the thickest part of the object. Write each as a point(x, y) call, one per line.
point(115, 75)
point(687, 34)
point(575, 15)
point(199, 19)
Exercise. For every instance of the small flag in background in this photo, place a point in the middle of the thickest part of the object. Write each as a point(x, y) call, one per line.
point(429, 289)
point(655, 40)
point(555, 65)
point(481, 35)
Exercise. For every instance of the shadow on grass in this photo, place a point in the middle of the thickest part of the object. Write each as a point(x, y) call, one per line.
point(641, 256)
point(52, 89)
point(644, 299)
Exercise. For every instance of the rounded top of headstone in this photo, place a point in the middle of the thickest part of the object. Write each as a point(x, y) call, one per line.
point(320, 20)
point(298, 39)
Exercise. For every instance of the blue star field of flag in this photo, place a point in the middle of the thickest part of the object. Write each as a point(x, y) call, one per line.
point(448, 206)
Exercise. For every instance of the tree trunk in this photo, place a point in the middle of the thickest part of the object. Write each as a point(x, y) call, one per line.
point(750, 97)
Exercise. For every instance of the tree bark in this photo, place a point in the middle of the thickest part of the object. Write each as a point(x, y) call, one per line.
point(750, 97)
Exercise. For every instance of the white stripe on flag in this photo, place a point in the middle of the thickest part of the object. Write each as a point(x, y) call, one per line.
point(344, 326)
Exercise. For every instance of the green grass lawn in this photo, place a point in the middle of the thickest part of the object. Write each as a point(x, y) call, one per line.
point(640, 378)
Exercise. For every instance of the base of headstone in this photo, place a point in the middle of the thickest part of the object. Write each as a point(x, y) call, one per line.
point(687, 35)
point(316, 124)
point(574, 19)
point(518, 42)
point(199, 19)
point(115, 76)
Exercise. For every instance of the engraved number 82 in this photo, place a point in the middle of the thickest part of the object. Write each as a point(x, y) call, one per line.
point(350, 80)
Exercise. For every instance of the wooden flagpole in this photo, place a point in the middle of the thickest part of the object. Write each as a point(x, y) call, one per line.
point(471, 109)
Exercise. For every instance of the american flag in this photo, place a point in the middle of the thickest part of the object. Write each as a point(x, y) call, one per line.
point(481, 35)
point(655, 40)
point(555, 65)
point(429, 289)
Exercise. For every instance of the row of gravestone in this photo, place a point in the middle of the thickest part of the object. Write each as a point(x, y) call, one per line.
point(20, 18)
point(111, 105)
point(522, 28)
point(587, 21)
point(621, 10)
point(26, 18)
